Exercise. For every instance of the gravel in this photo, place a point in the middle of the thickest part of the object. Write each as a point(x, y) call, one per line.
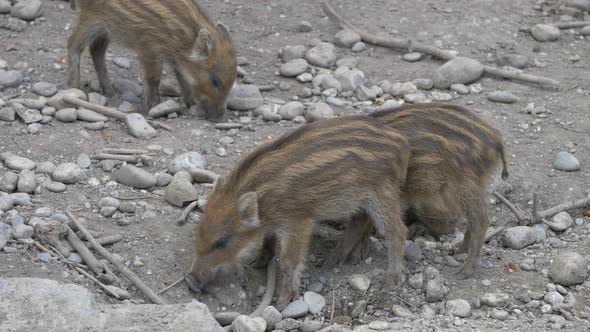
point(291, 110)
point(8, 182)
point(292, 52)
point(21, 231)
point(435, 290)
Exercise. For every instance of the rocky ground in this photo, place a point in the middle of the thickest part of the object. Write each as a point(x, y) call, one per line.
point(296, 67)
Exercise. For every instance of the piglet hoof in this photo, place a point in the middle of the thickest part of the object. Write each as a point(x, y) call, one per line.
point(193, 283)
point(108, 90)
point(392, 280)
point(465, 273)
point(284, 300)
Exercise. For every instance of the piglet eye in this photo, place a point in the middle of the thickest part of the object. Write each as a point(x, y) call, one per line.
point(221, 243)
point(215, 81)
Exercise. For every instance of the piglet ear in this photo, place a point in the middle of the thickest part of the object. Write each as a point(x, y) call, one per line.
point(248, 210)
point(203, 46)
point(223, 30)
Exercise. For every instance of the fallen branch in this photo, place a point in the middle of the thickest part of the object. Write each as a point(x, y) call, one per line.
point(410, 45)
point(177, 282)
point(517, 213)
point(126, 158)
point(494, 233)
point(333, 306)
point(184, 215)
point(109, 239)
point(84, 252)
point(106, 111)
point(562, 25)
point(578, 204)
point(157, 124)
point(123, 151)
point(119, 265)
point(271, 280)
point(60, 257)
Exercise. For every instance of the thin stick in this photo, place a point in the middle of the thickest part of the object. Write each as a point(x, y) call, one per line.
point(535, 207)
point(131, 198)
point(271, 280)
point(126, 158)
point(517, 213)
point(60, 257)
point(493, 234)
point(407, 44)
point(119, 265)
point(158, 124)
point(96, 281)
point(333, 306)
point(123, 151)
point(186, 212)
point(109, 239)
point(177, 282)
point(580, 203)
point(403, 301)
point(84, 252)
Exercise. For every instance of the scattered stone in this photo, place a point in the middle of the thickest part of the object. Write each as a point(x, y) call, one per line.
point(123, 85)
point(323, 55)
point(8, 182)
point(27, 10)
point(293, 68)
point(504, 97)
point(22, 231)
point(585, 31)
point(34, 128)
point(567, 162)
point(68, 173)
point(27, 115)
point(110, 202)
point(359, 282)
point(401, 89)
point(359, 47)
point(358, 308)
point(291, 110)
point(56, 187)
point(494, 299)
point(423, 83)
point(363, 93)
point(560, 222)
point(318, 112)
point(57, 100)
point(314, 301)
point(519, 237)
point(97, 98)
point(67, 115)
point(304, 26)
point(413, 252)
point(545, 32)
point(402, 312)
point(288, 324)
point(186, 162)
point(379, 325)
point(244, 97)
point(167, 107)
point(135, 177)
point(108, 211)
point(295, 309)
point(311, 325)
point(271, 316)
point(10, 78)
point(84, 161)
point(413, 57)
point(245, 323)
point(90, 116)
point(438, 96)
point(289, 53)
point(457, 70)
point(7, 114)
point(458, 308)
point(347, 38)
point(349, 79)
point(5, 233)
point(122, 62)
point(416, 281)
point(19, 163)
point(347, 62)
point(499, 314)
point(460, 88)
point(435, 290)
point(139, 127)
point(180, 190)
point(553, 298)
point(513, 60)
point(569, 269)
point(44, 89)
point(6, 203)
point(5, 6)
point(163, 179)
point(26, 181)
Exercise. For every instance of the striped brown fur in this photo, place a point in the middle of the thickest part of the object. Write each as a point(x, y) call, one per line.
point(454, 154)
point(177, 31)
point(334, 168)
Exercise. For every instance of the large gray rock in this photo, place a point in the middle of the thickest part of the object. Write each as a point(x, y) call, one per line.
point(519, 237)
point(295, 309)
point(457, 70)
point(545, 32)
point(569, 269)
point(318, 112)
point(567, 162)
point(293, 68)
point(244, 97)
point(458, 308)
point(29, 304)
point(10, 78)
point(7, 114)
point(245, 323)
point(347, 38)
point(139, 127)
point(560, 222)
point(323, 55)
point(19, 163)
point(494, 299)
point(181, 190)
point(291, 110)
point(26, 181)
point(8, 182)
point(45, 89)
point(5, 6)
point(187, 162)
point(68, 173)
point(135, 177)
point(315, 302)
point(27, 10)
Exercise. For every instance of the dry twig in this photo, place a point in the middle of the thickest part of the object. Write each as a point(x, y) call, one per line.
point(271, 280)
point(119, 265)
point(408, 44)
point(126, 158)
point(184, 215)
point(517, 213)
point(123, 151)
point(177, 282)
point(578, 204)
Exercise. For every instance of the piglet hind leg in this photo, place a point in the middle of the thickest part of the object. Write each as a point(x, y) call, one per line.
point(98, 50)
point(477, 221)
point(293, 245)
point(354, 245)
point(152, 69)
